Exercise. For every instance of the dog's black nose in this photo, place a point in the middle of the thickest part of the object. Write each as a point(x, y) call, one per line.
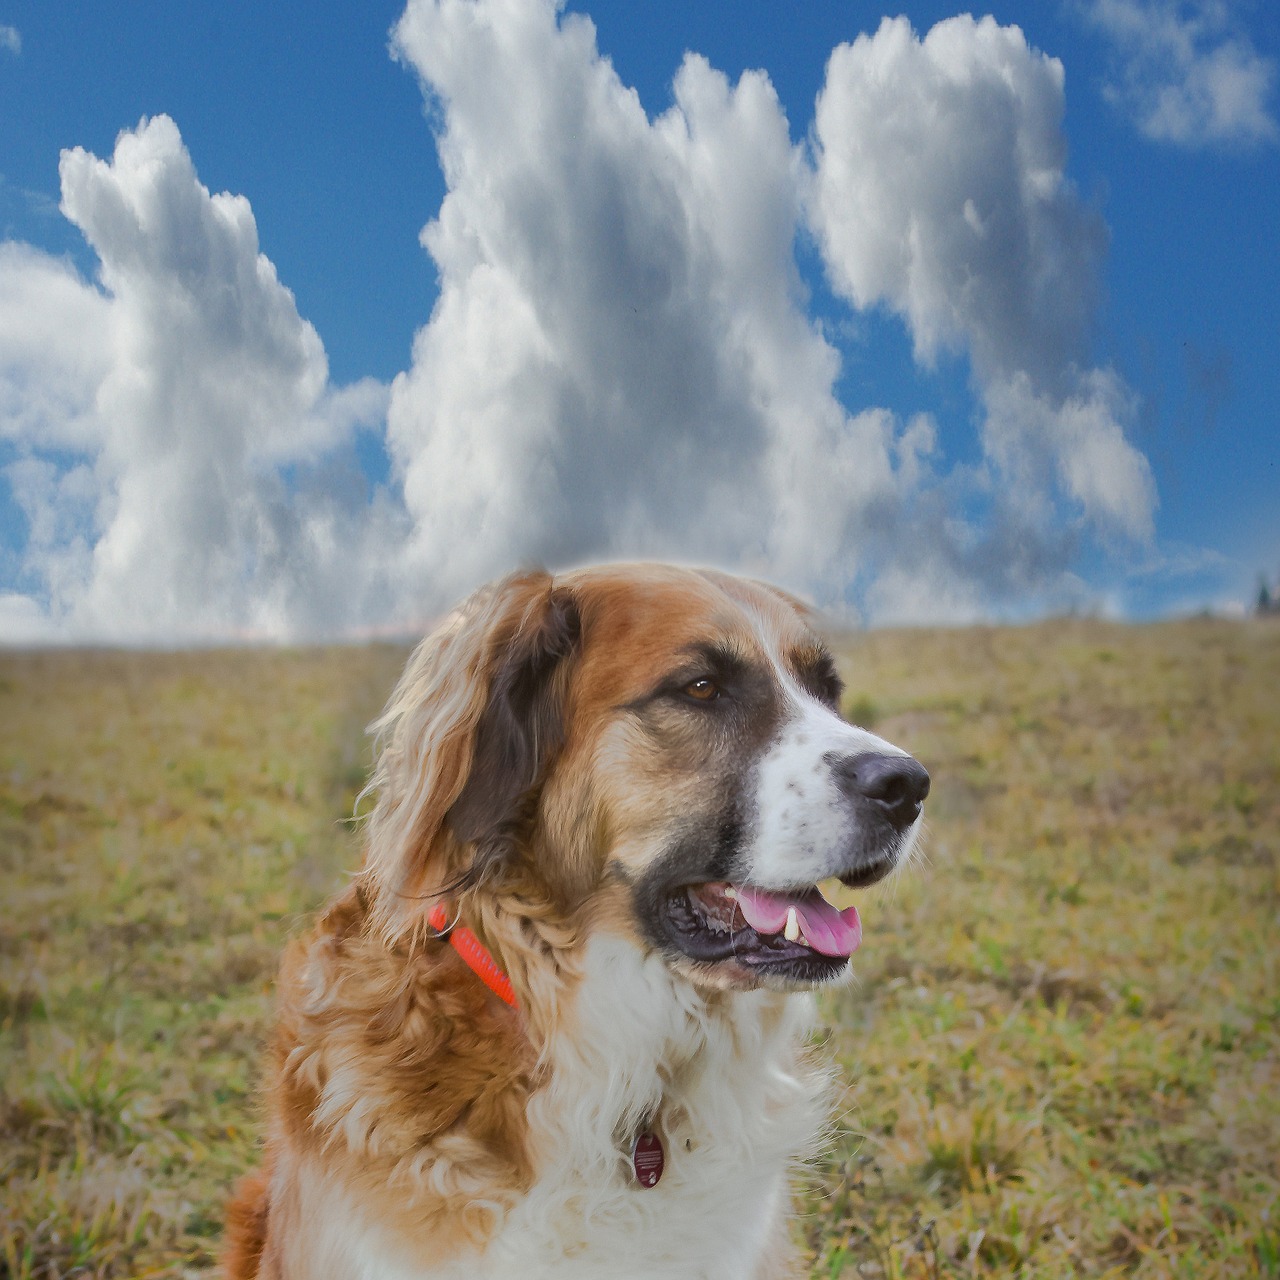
point(896, 785)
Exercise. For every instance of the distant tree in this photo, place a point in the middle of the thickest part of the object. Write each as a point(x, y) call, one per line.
point(1268, 600)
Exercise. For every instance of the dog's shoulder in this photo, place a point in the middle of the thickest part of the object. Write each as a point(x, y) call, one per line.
point(392, 1066)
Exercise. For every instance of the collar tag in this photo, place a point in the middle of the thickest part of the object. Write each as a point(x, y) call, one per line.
point(648, 1159)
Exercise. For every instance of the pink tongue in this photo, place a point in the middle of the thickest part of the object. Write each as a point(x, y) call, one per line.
point(832, 932)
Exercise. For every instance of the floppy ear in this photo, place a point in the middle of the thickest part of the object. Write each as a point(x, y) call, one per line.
point(465, 740)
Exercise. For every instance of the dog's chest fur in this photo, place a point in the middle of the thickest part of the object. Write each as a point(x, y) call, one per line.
point(722, 1080)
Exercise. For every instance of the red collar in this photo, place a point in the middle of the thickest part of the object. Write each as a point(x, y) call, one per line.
point(473, 951)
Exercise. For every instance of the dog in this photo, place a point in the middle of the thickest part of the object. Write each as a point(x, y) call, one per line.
point(555, 1025)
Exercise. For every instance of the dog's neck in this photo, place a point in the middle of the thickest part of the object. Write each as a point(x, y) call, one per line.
point(625, 1046)
point(640, 1047)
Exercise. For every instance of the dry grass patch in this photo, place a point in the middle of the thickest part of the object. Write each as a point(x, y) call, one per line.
point(165, 821)
point(1062, 1051)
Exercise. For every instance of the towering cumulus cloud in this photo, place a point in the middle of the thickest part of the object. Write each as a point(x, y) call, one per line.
point(940, 193)
point(158, 413)
point(619, 362)
point(622, 359)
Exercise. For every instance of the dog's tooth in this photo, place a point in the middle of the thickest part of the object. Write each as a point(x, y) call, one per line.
point(731, 893)
point(792, 931)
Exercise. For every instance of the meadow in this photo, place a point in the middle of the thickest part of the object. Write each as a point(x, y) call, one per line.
point(1061, 1054)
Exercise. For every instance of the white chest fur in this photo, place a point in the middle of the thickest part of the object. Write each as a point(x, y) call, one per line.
point(724, 1084)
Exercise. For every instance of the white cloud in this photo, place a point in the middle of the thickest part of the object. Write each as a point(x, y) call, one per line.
point(11, 39)
point(1081, 439)
point(940, 192)
point(621, 360)
point(55, 350)
point(152, 416)
point(23, 622)
point(1186, 73)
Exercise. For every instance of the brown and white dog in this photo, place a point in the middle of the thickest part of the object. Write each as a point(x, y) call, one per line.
point(626, 782)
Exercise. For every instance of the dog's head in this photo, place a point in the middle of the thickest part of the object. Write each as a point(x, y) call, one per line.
point(656, 748)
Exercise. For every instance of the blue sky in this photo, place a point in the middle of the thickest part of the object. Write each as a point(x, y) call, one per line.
point(1077, 410)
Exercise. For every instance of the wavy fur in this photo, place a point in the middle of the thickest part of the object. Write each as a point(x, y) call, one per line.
point(421, 1128)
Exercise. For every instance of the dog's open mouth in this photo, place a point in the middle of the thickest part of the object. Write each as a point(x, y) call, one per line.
point(795, 935)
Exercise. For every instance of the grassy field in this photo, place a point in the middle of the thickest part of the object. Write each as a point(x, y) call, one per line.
point(1062, 1054)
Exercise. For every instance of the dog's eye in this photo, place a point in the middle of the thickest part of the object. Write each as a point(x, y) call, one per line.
point(703, 690)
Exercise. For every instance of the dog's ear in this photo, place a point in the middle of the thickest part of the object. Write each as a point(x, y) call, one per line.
point(465, 741)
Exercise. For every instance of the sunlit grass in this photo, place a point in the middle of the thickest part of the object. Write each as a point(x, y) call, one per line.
point(1059, 1054)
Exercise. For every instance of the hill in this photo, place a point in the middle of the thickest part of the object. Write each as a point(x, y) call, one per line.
point(1061, 1054)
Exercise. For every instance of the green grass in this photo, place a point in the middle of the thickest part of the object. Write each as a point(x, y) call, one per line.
point(1060, 1056)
